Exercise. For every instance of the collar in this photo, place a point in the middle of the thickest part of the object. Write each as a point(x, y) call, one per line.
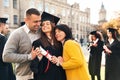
point(27, 30)
point(1, 34)
point(111, 41)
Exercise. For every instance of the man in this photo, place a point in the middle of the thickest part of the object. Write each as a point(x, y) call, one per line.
point(18, 48)
point(6, 71)
point(6, 31)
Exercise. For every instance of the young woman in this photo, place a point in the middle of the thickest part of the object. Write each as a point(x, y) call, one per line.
point(96, 48)
point(44, 69)
point(73, 60)
point(112, 71)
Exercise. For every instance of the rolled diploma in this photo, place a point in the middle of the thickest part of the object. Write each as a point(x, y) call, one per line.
point(106, 48)
point(96, 41)
point(46, 54)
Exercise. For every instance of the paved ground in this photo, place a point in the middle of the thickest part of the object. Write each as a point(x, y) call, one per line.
point(86, 53)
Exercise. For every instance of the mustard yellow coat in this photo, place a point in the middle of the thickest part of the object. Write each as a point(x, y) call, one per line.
point(74, 62)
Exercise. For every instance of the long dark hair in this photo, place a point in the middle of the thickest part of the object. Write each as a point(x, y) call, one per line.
point(66, 29)
point(113, 32)
point(44, 38)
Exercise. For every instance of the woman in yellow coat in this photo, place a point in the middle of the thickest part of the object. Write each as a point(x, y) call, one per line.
point(73, 60)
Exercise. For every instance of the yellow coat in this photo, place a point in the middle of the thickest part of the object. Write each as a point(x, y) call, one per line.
point(74, 62)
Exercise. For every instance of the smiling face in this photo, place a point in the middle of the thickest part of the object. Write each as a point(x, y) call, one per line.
point(60, 35)
point(46, 26)
point(33, 21)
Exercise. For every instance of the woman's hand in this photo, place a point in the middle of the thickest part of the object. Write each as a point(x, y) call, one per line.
point(106, 50)
point(60, 59)
point(54, 59)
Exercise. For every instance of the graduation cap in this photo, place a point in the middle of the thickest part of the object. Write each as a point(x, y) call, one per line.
point(3, 20)
point(46, 16)
point(22, 23)
point(93, 32)
point(112, 30)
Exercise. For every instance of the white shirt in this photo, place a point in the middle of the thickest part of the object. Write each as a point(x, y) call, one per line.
point(33, 36)
point(111, 41)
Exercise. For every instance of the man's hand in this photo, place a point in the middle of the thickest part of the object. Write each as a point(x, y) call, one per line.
point(54, 59)
point(35, 53)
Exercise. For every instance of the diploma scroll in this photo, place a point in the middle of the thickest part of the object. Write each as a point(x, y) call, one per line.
point(95, 42)
point(106, 48)
point(45, 53)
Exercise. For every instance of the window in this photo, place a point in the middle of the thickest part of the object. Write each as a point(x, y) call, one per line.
point(6, 3)
point(15, 19)
point(15, 4)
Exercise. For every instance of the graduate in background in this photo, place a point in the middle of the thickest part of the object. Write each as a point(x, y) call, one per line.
point(6, 70)
point(6, 31)
point(96, 48)
point(112, 50)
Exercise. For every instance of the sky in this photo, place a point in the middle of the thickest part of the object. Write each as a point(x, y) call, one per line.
point(111, 7)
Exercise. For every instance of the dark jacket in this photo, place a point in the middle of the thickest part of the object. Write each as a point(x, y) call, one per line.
point(6, 70)
point(44, 69)
point(94, 64)
point(112, 67)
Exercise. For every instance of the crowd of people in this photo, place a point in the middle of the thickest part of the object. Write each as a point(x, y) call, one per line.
point(111, 48)
point(62, 57)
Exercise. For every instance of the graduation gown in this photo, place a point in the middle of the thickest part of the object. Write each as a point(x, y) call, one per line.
point(112, 67)
point(94, 64)
point(6, 70)
point(44, 69)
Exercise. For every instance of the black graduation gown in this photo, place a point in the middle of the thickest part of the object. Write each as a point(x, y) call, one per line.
point(38, 67)
point(6, 70)
point(112, 67)
point(94, 64)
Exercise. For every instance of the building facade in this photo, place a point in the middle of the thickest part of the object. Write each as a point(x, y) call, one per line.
point(10, 10)
point(79, 21)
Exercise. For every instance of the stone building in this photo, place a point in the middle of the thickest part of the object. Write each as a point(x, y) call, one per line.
point(10, 10)
point(79, 21)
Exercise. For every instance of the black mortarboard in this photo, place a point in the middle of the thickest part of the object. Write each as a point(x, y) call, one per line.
point(3, 20)
point(112, 30)
point(46, 16)
point(93, 32)
point(22, 23)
